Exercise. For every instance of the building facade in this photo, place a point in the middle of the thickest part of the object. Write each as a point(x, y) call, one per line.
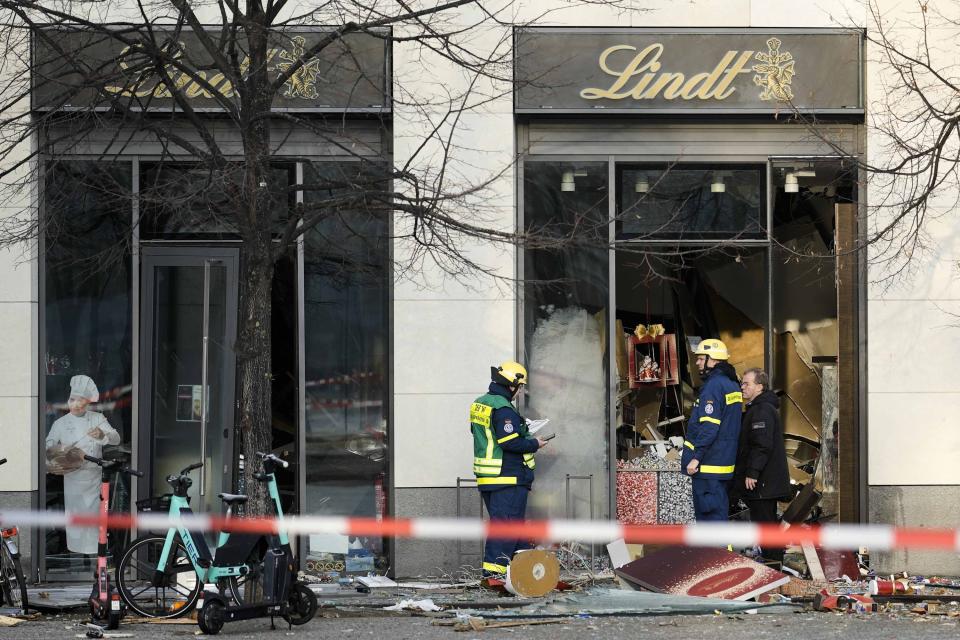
point(706, 160)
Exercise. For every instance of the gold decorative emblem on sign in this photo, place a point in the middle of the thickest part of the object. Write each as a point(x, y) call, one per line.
point(775, 73)
point(303, 82)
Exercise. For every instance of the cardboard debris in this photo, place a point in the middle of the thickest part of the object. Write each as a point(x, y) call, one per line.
point(705, 572)
point(533, 573)
point(8, 621)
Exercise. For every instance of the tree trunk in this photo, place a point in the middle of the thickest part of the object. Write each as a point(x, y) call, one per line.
point(254, 370)
point(257, 266)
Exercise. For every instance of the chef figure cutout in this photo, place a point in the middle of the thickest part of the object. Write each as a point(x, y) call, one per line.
point(78, 433)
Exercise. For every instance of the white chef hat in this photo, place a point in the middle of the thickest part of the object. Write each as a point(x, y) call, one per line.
point(85, 387)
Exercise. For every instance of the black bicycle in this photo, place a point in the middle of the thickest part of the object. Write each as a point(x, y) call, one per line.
point(13, 586)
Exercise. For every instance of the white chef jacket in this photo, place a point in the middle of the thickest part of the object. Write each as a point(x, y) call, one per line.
point(81, 488)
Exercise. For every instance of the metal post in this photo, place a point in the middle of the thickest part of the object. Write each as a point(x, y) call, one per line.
point(569, 504)
point(460, 484)
point(204, 375)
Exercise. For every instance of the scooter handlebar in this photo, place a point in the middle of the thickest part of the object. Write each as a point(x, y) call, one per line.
point(269, 456)
point(195, 465)
point(112, 465)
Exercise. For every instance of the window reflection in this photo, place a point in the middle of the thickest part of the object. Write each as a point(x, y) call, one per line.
point(690, 202)
point(189, 198)
point(345, 308)
point(87, 320)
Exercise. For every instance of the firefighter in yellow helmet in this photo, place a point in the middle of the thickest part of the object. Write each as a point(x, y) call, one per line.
point(713, 432)
point(503, 459)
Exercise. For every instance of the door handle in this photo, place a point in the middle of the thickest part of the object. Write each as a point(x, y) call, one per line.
point(204, 373)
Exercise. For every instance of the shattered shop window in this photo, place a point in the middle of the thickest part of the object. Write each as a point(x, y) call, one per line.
point(566, 289)
point(346, 361)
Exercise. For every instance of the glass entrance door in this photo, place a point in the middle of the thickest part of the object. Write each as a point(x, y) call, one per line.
point(187, 368)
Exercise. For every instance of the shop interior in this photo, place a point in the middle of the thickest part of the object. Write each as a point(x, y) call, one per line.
point(773, 303)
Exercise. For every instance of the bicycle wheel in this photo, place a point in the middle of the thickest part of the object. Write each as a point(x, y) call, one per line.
point(12, 583)
point(170, 594)
point(248, 588)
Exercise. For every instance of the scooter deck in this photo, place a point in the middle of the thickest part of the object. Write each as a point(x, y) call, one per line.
point(250, 611)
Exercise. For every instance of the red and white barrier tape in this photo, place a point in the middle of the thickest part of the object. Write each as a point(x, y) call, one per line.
point(831, 536)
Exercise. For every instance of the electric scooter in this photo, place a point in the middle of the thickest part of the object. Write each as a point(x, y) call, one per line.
point(282, 594)
point(105, 605)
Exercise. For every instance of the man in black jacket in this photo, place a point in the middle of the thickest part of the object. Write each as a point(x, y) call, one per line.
point(761, 476)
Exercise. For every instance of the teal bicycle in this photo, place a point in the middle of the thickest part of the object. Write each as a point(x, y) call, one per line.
point(162, 576)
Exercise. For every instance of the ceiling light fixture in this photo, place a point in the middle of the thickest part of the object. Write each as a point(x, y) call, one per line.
point(790, 184)
point(718, 185)
point(641, 185)
point(566, 182)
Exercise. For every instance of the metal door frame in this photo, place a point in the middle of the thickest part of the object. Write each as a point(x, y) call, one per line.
point(177, 256)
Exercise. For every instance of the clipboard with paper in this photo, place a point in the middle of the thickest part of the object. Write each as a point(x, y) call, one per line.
point(533, 426)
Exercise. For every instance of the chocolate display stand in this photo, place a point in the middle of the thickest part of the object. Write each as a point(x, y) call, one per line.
point(705, 572)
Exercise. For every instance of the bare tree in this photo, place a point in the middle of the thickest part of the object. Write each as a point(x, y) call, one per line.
point(125, 74)
point(911, 171)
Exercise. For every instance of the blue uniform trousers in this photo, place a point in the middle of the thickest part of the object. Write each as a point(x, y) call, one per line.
point(710, 502)
point(509, 503)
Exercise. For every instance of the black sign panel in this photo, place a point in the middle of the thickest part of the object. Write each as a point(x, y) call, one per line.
point(81, 69)
point(688, 71)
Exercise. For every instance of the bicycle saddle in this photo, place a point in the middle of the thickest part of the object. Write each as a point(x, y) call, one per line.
point(232, 498)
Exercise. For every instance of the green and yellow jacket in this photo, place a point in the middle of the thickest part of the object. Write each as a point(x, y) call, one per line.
point(502, 447)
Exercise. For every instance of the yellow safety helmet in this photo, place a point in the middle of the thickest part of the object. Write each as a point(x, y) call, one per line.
point(509, 373)
point(713, 348)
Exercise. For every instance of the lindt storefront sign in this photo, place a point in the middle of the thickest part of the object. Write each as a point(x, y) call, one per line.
point(677, 71)
point(352, 74)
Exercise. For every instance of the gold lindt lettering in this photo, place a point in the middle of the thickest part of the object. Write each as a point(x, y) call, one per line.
point(648, 83)
point(722, 92)
point(701, 84)
point(675, 80)
point(144, 86)
point(637, 65)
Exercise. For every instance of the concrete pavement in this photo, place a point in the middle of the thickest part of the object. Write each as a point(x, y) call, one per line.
point(346, 625)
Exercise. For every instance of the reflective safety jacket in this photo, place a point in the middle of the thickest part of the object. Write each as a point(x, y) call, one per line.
point(502, 450)
point(713, 430)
